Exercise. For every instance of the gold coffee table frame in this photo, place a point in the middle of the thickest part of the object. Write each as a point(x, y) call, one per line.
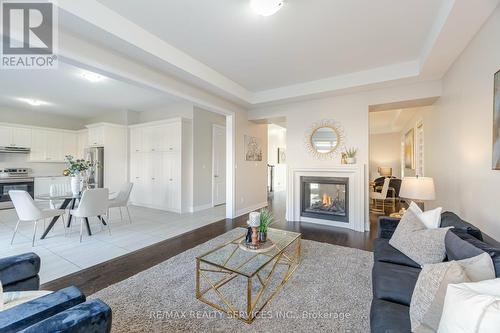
point(285, 241)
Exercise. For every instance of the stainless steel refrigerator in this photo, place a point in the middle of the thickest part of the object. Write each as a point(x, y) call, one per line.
point(96, 156)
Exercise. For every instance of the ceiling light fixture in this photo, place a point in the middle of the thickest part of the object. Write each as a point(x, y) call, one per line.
point(92, 77)
point(32, 102)
point(266, 7)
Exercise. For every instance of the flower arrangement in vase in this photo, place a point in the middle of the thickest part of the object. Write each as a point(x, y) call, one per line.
point(76, 169)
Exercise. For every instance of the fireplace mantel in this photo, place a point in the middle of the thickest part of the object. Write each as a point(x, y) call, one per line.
point(356, 175)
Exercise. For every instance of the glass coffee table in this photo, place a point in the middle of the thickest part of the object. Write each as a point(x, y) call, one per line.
point(239, 281)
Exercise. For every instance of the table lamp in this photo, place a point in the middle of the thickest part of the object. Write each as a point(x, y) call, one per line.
point(385, 172)
point(418, 189)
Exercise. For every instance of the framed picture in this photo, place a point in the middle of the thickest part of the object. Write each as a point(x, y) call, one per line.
point(496, 122)
point(253, 148)
point(281, 156)
point(410, 149)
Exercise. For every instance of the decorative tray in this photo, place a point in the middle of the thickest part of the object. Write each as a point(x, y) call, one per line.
point(263, 247)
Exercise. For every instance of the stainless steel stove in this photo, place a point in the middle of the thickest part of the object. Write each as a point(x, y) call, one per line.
point(14, 179)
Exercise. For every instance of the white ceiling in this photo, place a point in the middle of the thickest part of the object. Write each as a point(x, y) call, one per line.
point(66, 92)
point(305, 41)
point(309, 48)
point(391, 121)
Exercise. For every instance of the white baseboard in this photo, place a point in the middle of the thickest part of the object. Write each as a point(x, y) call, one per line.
point(155, 207)
point(252, 208)
point(201, 207)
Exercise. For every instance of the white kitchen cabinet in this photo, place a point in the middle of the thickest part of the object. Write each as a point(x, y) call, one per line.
point(164, 137)
point(5, 136)
point(38, 146)
point(21, 137)
point(52, 145)
point(11, 136)
point(96, 135)
point(157, 165)
point(70, 141)
point(82, 143)
point(136, 140)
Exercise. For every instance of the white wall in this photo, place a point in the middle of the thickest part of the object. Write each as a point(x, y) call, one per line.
point(40, 118)
point(385, 151)
point(181, 109)
point(277, 139)
point(203, 122)
point(351, 111)
point(460, 131)
point(250, 177)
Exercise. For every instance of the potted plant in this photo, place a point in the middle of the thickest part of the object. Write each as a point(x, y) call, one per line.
point(350, 154)
point(266, 218)
point(75, 169)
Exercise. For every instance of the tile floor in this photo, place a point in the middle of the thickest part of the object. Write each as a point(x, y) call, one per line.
point(63, 254)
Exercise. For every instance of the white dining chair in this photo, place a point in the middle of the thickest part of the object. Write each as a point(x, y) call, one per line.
point(58, 190)
point(94, 203)
point(27, 211)
point(121, 200)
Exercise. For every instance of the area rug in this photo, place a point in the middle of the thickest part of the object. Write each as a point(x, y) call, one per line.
point(329, 292)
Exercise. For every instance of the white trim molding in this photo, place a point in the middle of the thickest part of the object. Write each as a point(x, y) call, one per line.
point(356, 175)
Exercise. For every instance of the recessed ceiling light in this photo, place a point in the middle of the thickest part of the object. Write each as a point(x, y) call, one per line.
point(92, 77)
point(266, 7)
point(32, 102)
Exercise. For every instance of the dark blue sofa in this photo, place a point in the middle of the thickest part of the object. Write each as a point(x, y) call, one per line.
point(65, 310)
point(394, 275)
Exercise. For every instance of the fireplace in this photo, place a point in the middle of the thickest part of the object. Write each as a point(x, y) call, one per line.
point(325, 198)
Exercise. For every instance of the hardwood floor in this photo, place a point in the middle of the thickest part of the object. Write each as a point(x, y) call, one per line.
point(95, 278)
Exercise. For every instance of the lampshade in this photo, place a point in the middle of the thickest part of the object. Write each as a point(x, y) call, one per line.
point(417, 188)
point(385, 171)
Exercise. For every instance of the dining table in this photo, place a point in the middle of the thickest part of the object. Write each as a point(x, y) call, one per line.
point(69, 200)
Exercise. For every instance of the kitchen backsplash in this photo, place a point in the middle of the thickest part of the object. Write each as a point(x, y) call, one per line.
point(38, 169)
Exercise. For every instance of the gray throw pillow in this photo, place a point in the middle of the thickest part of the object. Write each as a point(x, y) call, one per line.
point(422, 245)
point(428, 296)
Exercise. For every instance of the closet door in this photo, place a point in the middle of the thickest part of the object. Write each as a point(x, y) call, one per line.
point(171, 138)
point(136, 140)
point(140, 174)
point(172, 169)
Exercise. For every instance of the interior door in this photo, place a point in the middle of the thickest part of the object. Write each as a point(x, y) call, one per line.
point(219, 165)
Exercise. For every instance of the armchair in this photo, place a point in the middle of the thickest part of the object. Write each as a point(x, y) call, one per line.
point(20, 273)
point(379, 199)
point(65, 310)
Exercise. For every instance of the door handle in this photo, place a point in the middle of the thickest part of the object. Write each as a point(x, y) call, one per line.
point(215, 176)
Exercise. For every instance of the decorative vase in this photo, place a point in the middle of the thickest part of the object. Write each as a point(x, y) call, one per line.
point(76, 183)
point(262, 237)
point(351, 160)
point(255, 237)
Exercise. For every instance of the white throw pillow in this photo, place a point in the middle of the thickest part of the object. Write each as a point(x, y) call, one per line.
point(472, 307)
point(431, 218)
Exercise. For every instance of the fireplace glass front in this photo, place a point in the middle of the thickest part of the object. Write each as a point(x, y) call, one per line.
point(325, 198)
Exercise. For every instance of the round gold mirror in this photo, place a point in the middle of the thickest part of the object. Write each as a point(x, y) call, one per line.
point(325, 139)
